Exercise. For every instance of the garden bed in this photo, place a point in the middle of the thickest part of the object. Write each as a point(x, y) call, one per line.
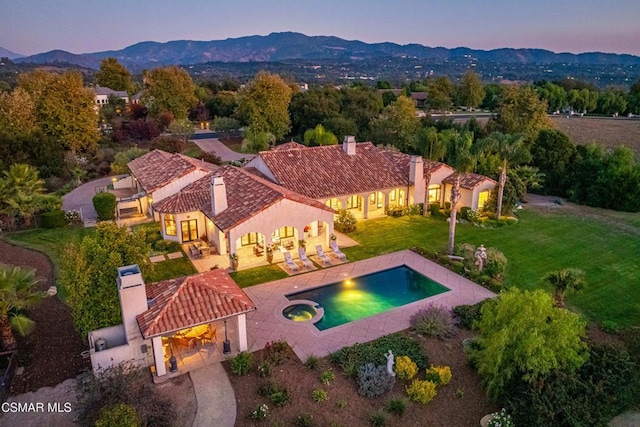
point(461, 403)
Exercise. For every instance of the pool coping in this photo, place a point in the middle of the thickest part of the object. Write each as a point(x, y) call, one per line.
point(267, 323)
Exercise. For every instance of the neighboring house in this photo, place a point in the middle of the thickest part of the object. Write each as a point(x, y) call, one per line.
point(153, 314)
point(474, 189)
point(102, 95)
point(136, 98)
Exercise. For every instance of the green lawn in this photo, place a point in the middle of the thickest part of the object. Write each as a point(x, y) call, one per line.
point(254, 276)
point(537, 244)
point(170, 269)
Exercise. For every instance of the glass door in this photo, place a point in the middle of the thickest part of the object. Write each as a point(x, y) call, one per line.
point(189, 230)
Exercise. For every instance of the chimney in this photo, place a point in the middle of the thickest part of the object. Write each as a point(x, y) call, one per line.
point(349, 145)
point(218, 195)
point(416, 178)
point(133, 298)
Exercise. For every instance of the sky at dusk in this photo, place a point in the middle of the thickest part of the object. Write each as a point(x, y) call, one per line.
point(82, 26)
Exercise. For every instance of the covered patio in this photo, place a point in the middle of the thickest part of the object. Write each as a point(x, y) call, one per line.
point(194, 321)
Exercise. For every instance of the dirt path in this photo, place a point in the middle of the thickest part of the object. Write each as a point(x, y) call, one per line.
point(51, 354)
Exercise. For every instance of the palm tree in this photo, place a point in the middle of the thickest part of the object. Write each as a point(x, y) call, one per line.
point(17, 292)
point(510, 149)
point(23, 178)
point(461, 159)
point(432, 146)
point(255, 142)
point(563, 281)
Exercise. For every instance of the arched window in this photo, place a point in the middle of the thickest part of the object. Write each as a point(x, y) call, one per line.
point(170, 225)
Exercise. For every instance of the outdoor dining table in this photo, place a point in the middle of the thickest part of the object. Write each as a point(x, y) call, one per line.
point(193, 332)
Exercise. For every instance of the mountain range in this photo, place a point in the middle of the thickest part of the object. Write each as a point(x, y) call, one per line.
point(295, 46)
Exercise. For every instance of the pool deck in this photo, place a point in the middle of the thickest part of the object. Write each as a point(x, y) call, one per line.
point(267, 323)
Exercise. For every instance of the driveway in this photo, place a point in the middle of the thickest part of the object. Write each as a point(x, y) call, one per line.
point(213, 145)
point(81, 198)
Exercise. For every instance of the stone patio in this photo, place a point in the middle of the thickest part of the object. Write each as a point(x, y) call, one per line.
point(267, 323)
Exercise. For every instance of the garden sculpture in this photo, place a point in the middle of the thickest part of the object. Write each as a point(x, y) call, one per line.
point(390, 362)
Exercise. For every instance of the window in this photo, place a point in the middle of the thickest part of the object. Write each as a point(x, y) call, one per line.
point(353, 202)
point(434, 193)
point(482, 198)
point(401, 198)
point(250, 239)
point(170, 225)
point(189, 230)
point(392, 196)
point(282, 233)
point(334, 204)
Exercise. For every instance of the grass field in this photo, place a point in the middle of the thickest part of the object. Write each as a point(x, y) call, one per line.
point(607, 131)
point(537, 244)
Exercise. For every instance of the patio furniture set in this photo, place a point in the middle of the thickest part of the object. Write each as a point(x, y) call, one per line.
point(193, 337)
point(199, 249)
point(326, 260)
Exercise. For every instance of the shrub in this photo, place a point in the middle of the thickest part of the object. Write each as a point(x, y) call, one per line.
point(609, 326)
point(396, 406)
point(434, 320)
point(311, 362)
point(319, 395)
point(468, 314)
point(434, 208)
point(447, 206)
point(378, 419)
point(405, 368)
point(264, 369)
point(501, 419)
point(241, 363)
point(72, 217)
point(351, 358)
point(374, 381)
point(278, 394)
point(421, 391)
point(464, 212)
point(260, 412)
point(105, 205)
point(118, 415)
point(304, 420)
point(342, 403)
point(440, 375)
point(496, 263)
point(53, 219)
point(278, 352)
point(327, 377)
point(170, 144)
point(345, 221)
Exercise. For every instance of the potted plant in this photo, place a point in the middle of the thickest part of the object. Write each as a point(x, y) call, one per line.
point(234, 261)
point(333, 237)
point(302, 243)
point(269, 254)
point(307, 229)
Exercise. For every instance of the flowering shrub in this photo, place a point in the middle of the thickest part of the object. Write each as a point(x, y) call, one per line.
point(440, 375)
point(434, 320)
point(345, 222)
point(421, 391)
point(261, 412)
point(72, 216)
point(405, 368)
point(501, 419)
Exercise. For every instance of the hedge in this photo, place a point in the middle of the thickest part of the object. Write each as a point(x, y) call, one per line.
point(53, 219)
point(105, 204)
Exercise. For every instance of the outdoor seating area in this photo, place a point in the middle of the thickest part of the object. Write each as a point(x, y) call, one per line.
point(194, 337)
point(199, 249)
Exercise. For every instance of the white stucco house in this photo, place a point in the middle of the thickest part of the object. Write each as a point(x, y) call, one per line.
point(102, 95)
point(156, 317)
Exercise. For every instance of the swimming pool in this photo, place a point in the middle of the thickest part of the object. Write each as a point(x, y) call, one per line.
point(364, 296)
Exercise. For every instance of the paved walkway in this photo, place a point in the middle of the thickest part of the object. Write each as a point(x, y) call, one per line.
point(54, 400)
point(267, 323)
point(213, 145)
point(81, 198)
point(216, 398)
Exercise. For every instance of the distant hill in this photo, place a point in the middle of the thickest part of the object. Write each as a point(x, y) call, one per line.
point(295, 46)
point(6, 53)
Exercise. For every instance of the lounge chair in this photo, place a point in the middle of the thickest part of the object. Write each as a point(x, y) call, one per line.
point(289, 262)
point(325, 259)
point(302, 252)
point(336, 251)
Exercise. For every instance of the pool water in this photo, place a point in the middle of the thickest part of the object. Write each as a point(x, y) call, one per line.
point(300, 312)
point(359, 297)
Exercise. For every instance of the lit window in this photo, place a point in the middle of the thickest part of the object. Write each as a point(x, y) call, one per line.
point(334, 204)
point(482, 199)
point(353, 202)
point(434, 193)
point(401, 198)
point(170, 225)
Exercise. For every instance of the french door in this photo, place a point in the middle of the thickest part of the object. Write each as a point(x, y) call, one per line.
point(189, 230)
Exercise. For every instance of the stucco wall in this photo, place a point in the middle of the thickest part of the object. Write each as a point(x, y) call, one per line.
point(260, 165)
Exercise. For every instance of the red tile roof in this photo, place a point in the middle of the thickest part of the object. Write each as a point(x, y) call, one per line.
point(288, 146)
point(468, 180)
point(403, 162)
point(159, 168)
point(327, 171)
point(192, 300)
point(247, 196)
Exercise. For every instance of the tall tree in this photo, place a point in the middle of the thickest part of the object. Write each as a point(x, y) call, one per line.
point(264, 104)
point(114, 75)
point(17, 114)
point(521, 111)
point(17, 292)
point(511, 150)
point(360, 104)
point(254, 142)
point(567, 279)
point(459, 157)
point(169, 89)
point(439, 93)
point(183, 129)
point(397, 125)
point(64, 108)
point(470, 91)
point(317, 105)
